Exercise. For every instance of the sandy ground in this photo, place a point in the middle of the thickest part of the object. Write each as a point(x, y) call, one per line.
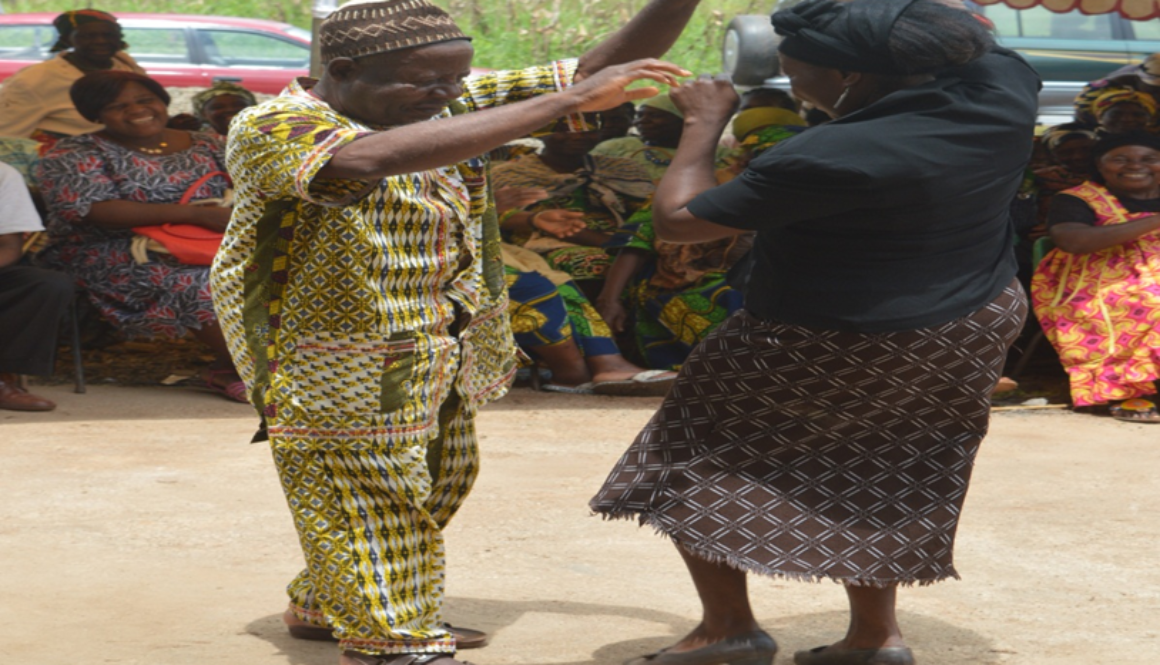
point(138, 526)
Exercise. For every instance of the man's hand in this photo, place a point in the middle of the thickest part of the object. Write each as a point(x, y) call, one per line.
point(606, 88)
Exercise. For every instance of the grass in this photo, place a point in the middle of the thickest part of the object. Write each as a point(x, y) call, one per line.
point(508, 33)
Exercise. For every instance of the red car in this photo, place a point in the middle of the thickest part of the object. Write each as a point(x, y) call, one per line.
point(179, 50)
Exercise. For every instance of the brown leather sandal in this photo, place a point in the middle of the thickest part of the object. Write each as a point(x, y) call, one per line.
point(465, 638)
point(357, 658)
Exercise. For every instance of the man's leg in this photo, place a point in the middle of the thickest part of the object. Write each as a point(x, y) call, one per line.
point(32, 303)
point(374, 554)
point(403, 599)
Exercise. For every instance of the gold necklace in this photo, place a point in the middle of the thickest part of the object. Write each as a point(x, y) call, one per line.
point(154, 151)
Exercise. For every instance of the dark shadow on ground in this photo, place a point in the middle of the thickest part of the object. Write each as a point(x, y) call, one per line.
point(934, 640)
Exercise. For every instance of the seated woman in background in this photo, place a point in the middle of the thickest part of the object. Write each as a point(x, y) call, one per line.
point(1068, 150)
point(599, 191)
point(668, 296)
point(1069, 153)
point(133, 173)
point(217, 105)
point(1097, 295)
point(755, 130)
point(659, 123)
point(35, 103)
point(1143, 77)
point(555, 323)
point(1123, 111)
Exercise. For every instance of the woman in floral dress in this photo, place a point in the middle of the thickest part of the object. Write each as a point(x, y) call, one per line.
point(134, 173)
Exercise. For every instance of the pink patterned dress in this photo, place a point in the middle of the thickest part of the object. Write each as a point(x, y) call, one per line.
point(1101, 310)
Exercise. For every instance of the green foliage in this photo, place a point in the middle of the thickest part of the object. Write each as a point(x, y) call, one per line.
point(508, 33)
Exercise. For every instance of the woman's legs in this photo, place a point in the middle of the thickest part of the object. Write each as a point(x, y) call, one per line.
point(564, 360)
point(725, 610)
point(873, 624)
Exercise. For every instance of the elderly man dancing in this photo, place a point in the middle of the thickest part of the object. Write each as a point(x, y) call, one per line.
point(360, 285)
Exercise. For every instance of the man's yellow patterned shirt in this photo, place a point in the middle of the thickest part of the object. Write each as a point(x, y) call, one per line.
point(354, 308)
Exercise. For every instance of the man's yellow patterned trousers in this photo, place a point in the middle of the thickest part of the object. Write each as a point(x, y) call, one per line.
point(370, 517)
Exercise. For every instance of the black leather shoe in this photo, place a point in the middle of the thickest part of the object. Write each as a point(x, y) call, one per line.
point(885, 656)
point(755, 648)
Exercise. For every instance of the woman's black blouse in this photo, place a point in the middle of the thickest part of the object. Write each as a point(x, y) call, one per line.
point(894, 217)
point(1066, 208)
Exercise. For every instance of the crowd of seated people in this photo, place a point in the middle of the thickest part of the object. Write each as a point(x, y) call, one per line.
point(596, 297)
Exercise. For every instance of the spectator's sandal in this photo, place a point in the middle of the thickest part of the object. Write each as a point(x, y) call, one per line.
point(649, 383)
point(1135, 411)
point(582, 389)
point(235, 390)
point(827, 656)
point(465, 638)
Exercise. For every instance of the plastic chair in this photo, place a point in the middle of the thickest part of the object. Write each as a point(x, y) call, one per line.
point(1039, 250)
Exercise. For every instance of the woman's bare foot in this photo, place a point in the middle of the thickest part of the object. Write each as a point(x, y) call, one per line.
point(617, 368)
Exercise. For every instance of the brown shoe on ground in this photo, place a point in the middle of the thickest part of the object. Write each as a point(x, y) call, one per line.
point(15, 398)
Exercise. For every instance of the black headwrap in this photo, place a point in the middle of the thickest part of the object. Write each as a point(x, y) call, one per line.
point(1110, 142)
point(851, 36)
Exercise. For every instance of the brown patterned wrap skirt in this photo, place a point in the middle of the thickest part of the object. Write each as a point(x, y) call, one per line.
point(814, 454)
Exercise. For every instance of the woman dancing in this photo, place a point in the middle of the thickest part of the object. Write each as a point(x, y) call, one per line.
point(827, 431)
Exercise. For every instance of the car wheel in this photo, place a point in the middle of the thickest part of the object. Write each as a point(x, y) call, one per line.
point(749, 54)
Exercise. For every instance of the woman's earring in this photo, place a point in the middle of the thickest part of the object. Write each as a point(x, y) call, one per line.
point(841, 98)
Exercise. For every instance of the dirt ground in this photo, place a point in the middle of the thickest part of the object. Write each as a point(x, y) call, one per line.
point(139, 526)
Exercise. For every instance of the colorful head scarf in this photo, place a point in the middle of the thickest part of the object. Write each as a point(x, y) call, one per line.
point(663, 103)
point(67, 22)
point(219, 89)
point(1110, 98)
point(750, 120)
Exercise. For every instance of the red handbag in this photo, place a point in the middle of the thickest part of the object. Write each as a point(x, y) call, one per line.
point(188, 243)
